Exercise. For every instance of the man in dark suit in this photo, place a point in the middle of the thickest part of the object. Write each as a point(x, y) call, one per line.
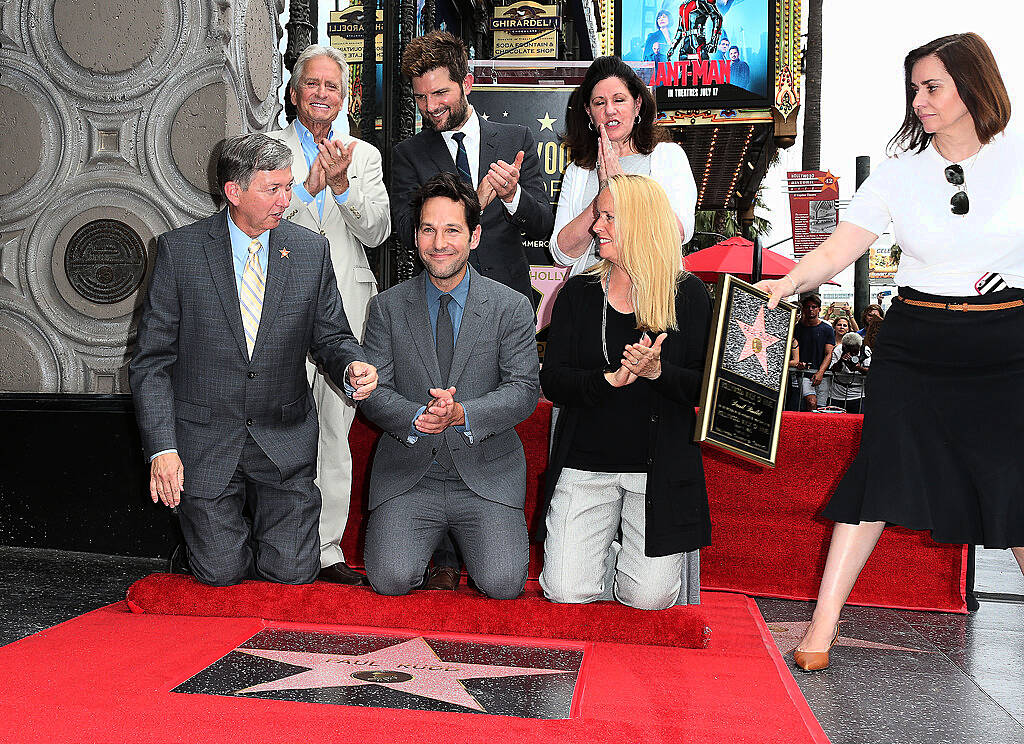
point(499, 160)
point(235, 303)
point(458, 370)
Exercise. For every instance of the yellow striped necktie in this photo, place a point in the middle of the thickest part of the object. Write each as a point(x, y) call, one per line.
point(251, 295)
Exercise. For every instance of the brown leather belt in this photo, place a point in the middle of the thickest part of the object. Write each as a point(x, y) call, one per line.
point(963, 307)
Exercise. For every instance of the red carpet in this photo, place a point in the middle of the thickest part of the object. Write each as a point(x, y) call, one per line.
point(465, 611)
point(767, 539)
point(106, 677)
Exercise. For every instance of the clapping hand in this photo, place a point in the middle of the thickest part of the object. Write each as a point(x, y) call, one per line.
point(441, 412)
point(317, 178)
point(504, 178)
point(335, 158)
point(644, 359)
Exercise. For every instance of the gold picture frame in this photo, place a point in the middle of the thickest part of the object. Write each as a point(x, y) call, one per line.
point(744, 388)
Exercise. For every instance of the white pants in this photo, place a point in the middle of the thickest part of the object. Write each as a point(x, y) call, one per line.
point(583, 561)
point(333, 463)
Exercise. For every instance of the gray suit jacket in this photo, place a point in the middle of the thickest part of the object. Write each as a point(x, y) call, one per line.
point(195, 388)
point(495, 374)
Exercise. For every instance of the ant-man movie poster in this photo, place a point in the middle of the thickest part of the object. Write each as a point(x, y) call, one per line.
point(700, 53)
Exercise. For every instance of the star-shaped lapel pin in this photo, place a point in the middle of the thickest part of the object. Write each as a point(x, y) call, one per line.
point(285, 252)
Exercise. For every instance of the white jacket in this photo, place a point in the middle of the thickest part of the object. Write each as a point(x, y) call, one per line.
point(669, 167)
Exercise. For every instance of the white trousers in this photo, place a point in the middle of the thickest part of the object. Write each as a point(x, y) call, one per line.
point(583, 560)
point(333, 463)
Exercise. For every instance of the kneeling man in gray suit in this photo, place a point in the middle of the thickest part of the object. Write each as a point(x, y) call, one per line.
point(457, 359)
point(235, 303)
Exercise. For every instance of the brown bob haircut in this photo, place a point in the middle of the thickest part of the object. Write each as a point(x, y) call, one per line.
point(433, 50)
point(581, 139)
point(969, 61)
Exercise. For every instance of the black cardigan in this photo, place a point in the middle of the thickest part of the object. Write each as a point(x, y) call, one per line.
point(677, 517)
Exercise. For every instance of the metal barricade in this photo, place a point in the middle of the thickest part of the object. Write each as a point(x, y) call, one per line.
point(833, 403)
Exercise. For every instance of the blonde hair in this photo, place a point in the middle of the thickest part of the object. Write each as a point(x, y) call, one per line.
point(648, 241)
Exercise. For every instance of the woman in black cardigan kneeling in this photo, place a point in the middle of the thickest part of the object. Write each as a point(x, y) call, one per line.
point(628, 509)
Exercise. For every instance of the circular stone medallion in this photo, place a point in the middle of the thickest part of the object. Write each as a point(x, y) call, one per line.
point(105, 261)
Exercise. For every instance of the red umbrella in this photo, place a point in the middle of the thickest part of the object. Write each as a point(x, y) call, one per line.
point(735, 256)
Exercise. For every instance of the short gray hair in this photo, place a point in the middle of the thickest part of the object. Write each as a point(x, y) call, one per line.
point(852, 339)
point(318, 50)
point(241, 156)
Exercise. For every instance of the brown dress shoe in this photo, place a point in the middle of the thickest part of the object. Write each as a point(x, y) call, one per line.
point(813, 661)
point(442, 577)
point(340, 573)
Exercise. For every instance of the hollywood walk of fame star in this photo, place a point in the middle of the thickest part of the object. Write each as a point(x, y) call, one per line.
point(787, 637)
point(546, 122)
point(410, 666)
point(285, 252)
point(758, 340)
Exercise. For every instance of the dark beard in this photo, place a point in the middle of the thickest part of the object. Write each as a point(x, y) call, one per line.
point(457, 115)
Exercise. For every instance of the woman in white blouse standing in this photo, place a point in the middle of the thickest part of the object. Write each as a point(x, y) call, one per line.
point(610, 131)
point(935, 453)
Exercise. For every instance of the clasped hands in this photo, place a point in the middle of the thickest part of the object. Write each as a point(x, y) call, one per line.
point(442, 411)
point(500, 180)
point(330, 167)
point(642, 359)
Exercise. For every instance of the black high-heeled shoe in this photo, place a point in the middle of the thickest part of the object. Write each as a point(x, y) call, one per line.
point(813, 661)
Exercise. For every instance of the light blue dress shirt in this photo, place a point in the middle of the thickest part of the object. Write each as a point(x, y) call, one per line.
point(310, 150)
point(455, 310)
point(240, 251)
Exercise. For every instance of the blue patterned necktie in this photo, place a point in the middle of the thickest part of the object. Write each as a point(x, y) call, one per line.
point(461, 159)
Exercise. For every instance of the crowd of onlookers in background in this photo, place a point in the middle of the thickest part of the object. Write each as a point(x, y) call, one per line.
point(830, 360)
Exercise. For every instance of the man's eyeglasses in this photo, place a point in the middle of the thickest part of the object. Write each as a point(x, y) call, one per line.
point(959, 204)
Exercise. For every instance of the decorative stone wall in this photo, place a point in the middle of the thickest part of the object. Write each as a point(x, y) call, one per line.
point(109, 110)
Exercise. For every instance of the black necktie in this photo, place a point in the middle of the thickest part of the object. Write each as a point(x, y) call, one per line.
point(444, 342)
point(461, 159)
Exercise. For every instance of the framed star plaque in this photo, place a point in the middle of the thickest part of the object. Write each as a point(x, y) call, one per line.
point(744, 385)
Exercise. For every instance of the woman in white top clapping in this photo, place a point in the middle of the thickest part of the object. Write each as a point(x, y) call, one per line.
point(610, 131)
point(935, 453)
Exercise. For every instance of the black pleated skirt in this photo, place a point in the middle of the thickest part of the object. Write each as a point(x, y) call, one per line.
point(943, 441)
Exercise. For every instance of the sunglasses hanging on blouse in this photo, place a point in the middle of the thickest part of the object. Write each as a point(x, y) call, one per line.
point(959, 204)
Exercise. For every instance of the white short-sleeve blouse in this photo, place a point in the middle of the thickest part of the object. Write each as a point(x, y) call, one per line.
point(944, 253)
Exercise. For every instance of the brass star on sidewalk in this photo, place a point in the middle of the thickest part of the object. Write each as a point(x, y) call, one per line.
point(410, 666)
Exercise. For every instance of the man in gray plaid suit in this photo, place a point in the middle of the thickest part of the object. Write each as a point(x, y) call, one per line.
point(458, 370)
point(235, 303)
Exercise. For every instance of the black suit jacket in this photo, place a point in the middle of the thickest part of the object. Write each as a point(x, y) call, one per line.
point(501, 254)
point(194, 387)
